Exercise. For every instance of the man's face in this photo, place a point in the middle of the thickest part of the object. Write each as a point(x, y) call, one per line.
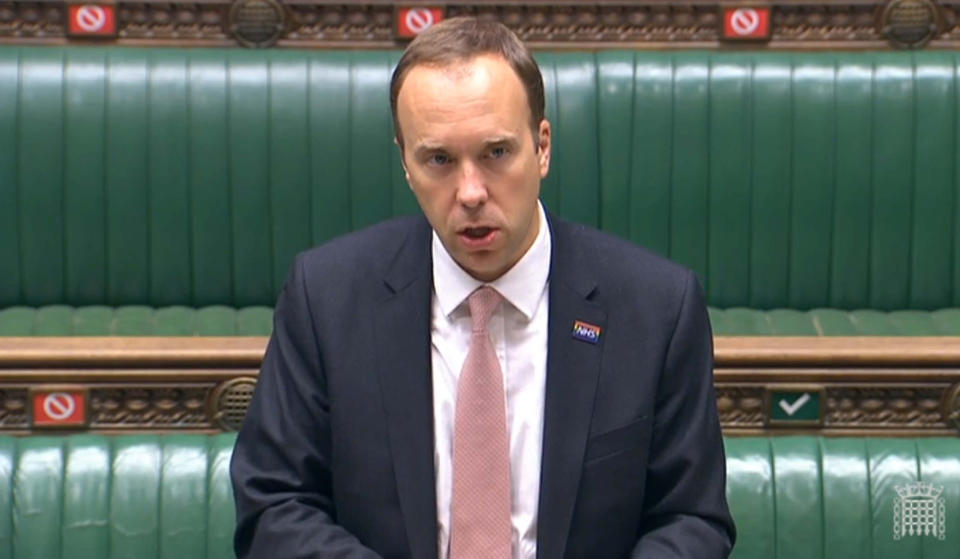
point(472, 161)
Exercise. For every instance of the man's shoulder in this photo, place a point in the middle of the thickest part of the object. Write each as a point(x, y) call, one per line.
point(613, 258)
point(373, 246)
point(629, 280)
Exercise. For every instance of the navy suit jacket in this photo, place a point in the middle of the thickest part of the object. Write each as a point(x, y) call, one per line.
point(336, 456)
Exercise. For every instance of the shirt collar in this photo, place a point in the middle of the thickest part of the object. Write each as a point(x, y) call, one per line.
point(521, 285)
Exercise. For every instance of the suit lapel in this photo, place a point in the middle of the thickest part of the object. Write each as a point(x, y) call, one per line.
point(402, 328)
point(573, 367)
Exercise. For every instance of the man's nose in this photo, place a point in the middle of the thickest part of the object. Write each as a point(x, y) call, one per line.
point(471, 189)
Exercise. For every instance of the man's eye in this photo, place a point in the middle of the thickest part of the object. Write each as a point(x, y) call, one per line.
point(438, 159)
point(498, 152)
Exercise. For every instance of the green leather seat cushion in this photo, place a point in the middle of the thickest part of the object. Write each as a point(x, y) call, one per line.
point(833, 322)
point(148, 496)
point(61, 320)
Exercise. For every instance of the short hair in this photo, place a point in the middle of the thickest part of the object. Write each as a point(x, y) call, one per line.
point(462, 38)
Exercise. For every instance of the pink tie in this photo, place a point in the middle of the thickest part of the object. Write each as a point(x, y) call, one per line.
point(480, 508)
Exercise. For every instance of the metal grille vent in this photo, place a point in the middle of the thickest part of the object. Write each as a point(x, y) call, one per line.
point(231, 402)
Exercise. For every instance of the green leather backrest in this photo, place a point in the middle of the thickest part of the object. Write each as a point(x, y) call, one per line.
point(835, 498)
point(131, 496)
point(191, 177)
point(147, 497)
point(141, 496)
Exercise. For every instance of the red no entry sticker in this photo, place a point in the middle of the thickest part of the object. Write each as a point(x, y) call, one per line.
point(746, 23)
point(97, 20)
point(413, 21)
point(65, 408)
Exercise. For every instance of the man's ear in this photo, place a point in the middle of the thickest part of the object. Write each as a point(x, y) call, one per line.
point(399, 144)
point(544, 139)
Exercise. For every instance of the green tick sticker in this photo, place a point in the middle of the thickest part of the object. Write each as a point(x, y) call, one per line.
point(794, 406)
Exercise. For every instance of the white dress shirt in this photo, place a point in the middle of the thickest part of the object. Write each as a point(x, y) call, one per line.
point(519, 333)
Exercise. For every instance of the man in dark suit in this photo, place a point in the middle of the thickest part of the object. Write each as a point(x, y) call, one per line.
point(590, 427)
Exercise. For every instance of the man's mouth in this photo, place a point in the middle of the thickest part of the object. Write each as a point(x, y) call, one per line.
point(477, 238)
point(477, 232)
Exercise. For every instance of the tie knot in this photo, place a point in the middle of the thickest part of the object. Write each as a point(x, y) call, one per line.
point(482, 303)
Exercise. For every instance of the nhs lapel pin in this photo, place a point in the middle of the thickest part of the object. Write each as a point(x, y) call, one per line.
point(586, 332)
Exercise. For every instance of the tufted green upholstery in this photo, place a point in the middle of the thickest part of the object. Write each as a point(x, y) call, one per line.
point(102, 497)
point(796, 181)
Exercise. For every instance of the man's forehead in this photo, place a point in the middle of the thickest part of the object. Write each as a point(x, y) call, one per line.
point(459, 69)
point(455, 69)
point(450, 87)
point(462, 105)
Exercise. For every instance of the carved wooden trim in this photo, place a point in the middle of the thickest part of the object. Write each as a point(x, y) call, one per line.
point(173, 406)
point(13, 408)
point(867, 386)
point(803, 24)
point(906, 408)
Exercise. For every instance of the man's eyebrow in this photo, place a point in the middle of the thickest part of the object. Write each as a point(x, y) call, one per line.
point(428, 147)
point(500, 140)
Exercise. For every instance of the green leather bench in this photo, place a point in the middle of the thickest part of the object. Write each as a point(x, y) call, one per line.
point(147, 497)
point(165, 191)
